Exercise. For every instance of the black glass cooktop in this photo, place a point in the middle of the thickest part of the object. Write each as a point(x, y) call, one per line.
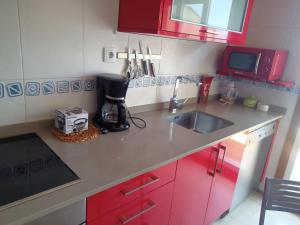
point(28, 168)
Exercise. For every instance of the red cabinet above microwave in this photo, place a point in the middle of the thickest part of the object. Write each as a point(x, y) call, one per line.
point(223, 21)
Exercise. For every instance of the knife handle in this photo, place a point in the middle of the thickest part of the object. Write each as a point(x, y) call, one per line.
point(152, 69)
point(145, 67)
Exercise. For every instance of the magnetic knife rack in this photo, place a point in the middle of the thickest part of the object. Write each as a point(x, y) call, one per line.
point(124, 55)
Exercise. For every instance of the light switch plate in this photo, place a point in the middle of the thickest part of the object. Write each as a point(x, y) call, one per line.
point(110, 55)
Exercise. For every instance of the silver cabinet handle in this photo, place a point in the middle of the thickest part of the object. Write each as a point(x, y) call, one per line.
point(150, 205)
point(212, 32)
point(257, 63)
point(153, 180)
point(222, 147)
point(217, 151)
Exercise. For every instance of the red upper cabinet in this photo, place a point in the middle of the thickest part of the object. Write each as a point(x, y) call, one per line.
point(205, 20)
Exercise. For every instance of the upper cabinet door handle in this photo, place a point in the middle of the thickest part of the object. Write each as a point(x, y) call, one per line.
point(153, 179)
point(212, 32)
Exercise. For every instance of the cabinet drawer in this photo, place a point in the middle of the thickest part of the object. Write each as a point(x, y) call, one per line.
point(104, 202)
point(151, 209)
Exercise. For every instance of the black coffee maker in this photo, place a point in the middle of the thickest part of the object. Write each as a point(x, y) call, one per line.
point(111, 109)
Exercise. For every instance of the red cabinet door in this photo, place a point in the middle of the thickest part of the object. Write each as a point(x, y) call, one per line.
point(151, 209)
point(192, 187)
point(230, 153)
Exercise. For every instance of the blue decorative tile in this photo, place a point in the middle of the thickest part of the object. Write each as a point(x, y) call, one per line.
point(131, 83)
point(76, 86)
point(185, 81)
point(290, 90)
point(168, 80)
point(48, 88)
point(32, 89)
point(146, 81)
point(1, 90)
point(89, 85)
point(14, 89)
point(297, 90)
point(63, 86)
point(161, 81)
point(153, 81)
point(173, 80)
point(195, 78)
point(138, 83)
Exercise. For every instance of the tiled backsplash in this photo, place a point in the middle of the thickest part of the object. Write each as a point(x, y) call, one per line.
point(37, 88)
point(51, 51)
point(32, 100)
point(292, 90)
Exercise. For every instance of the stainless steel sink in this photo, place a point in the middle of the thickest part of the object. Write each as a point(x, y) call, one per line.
point(200, 122)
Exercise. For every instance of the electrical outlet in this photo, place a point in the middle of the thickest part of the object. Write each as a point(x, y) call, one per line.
point(110, 55)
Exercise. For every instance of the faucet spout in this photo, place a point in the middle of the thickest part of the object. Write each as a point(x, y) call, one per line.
point(174, 103)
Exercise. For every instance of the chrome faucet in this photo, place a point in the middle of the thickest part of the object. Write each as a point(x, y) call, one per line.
point(174, 102)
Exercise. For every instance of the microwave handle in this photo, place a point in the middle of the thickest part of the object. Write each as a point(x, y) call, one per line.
point(257, 63)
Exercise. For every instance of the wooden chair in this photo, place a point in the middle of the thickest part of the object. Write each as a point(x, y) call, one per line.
point(280, 195)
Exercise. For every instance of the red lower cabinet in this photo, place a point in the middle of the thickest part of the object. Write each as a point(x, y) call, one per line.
point(151, 209)
point(230, 153)
point(192, 187)
point(104, 202)
point(195, 190)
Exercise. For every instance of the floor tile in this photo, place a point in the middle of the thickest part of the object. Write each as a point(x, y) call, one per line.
point(248, 213)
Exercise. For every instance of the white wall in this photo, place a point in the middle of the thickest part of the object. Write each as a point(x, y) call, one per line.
point(43, 40)
point(276, 24)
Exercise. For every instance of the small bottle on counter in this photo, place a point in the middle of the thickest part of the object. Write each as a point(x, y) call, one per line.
point(204, 88)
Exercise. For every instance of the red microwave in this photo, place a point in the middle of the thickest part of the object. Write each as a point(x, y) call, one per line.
point(253, 63)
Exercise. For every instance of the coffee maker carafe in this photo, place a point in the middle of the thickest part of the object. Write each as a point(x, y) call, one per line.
point(111, 109)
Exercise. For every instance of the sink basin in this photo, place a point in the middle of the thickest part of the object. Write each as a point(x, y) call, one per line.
point(200, 122)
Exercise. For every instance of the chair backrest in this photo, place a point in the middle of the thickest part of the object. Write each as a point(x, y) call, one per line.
point(280, 195)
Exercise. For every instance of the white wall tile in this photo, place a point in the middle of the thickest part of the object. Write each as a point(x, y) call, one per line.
point(10, 48)
point(155, 44)
point(100, 21)
point(164, 93)
point(52, 38)
point(296, 21)
point(268, 37)
point(274, 13)
point(141, 96)
point(190, 57)
point(293, 66)
point(12, 108)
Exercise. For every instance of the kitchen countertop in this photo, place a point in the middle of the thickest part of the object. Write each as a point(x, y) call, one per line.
point(116, 157)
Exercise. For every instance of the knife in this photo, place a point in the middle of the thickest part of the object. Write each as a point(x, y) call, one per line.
point(144, 61)
point(152, 66)
point(138, 65)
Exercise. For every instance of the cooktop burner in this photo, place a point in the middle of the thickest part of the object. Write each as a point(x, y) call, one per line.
point(29, 168)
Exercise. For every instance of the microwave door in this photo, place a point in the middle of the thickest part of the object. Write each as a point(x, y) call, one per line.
point(244, 64)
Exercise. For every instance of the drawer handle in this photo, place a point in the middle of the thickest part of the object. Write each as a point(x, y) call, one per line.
point(153, 180)
point(150, 205)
